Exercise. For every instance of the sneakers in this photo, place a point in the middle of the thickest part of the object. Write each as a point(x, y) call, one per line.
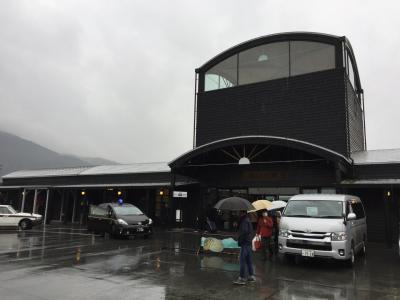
point(240, 281)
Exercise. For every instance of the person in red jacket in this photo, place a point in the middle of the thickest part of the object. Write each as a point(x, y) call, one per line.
point(264, 229)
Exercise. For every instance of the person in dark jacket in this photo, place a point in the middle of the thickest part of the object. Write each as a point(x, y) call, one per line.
point(244, 240)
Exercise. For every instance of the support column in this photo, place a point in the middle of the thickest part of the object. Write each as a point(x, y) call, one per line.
point(74, 207)
point(62, 205)
point(173, 204)
point(387, 195)
point(34, 201)
point(23, 200)
point(147, 199)
point(46, 207)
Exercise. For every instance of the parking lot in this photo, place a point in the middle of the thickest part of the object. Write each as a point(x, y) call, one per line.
point(60, 262)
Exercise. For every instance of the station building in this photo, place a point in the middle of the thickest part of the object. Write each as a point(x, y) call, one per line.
point(274, 116)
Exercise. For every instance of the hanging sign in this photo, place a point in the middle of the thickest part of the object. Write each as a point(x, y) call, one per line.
point(178, 194)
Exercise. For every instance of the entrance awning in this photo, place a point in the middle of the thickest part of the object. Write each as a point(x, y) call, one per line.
point(99, 185)
point(263, 142)
point(393, 181)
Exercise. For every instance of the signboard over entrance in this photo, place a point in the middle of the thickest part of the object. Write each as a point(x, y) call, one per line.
point(179, 194)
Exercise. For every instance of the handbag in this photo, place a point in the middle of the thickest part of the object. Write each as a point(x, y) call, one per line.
point(256, 243)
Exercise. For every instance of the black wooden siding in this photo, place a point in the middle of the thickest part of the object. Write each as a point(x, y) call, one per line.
point(309, 107)
point(319, 173)
point(355, 120)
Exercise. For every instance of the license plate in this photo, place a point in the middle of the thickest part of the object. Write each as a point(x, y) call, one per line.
point(140, 229)
point(307, 253)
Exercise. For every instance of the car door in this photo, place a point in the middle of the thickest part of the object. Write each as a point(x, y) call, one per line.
point(7, 219)
point(96, 218)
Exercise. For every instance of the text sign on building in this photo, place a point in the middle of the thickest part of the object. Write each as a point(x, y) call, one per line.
point(178, 194)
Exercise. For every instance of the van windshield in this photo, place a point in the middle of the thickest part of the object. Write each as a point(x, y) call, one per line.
point(314, 209)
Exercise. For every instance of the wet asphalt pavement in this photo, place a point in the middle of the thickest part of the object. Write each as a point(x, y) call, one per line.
point(69, 263)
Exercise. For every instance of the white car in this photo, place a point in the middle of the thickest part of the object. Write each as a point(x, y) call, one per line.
point(9, 217)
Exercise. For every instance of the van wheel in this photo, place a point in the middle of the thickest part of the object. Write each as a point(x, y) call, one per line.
point(25, 224)
point(351, 261)
point(363, 249)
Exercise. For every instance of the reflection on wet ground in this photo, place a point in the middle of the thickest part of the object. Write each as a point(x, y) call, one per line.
point(69, 263)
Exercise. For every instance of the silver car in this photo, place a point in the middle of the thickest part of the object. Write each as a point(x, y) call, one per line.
point(323, 225)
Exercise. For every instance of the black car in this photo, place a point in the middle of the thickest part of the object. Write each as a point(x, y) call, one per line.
point(119, 220)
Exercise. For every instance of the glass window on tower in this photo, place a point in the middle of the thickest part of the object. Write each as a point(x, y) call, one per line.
point(223, 75)
point(265, 62)
point(308, 57)
point(351, 72)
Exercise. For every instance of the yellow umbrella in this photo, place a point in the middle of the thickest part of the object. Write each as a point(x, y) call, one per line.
point(260, 205)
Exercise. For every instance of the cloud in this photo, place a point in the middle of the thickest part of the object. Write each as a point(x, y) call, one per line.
point(116, 78)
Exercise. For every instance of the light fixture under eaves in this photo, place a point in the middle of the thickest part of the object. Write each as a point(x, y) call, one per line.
point(263, 57)
point(244, 161)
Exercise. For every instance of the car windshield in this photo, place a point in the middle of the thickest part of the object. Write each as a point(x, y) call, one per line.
point(13, 211)
point(314, 209)
point(127, 210)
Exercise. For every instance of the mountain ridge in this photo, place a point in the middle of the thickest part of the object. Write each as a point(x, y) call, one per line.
point(17, 153)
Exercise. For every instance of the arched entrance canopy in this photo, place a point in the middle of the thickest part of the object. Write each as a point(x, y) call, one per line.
point(185, 160)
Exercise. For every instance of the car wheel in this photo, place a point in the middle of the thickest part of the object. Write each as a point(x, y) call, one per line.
point(25, 224)
point(114, 232)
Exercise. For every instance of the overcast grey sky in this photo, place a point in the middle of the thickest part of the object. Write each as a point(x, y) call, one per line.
point(115, 79)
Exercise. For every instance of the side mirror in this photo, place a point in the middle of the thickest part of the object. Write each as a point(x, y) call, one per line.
point(351, 216)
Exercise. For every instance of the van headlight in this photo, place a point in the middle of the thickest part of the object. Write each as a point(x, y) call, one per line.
point(283, 233)
point(150, 221)
point(338, 236)
point(122, 222)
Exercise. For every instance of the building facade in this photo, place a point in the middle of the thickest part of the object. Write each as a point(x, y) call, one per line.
point(274, 116)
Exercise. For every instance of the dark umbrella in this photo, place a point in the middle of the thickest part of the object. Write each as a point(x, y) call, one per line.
point(234, 203)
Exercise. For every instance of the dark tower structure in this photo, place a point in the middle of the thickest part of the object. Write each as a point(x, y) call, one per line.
point(303, 86)
point(283, 110)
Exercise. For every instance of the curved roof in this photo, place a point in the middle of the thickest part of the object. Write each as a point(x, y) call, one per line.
point(279, 37)
point(261, 139)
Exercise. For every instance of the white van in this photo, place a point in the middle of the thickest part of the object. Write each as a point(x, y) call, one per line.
point(323, 225)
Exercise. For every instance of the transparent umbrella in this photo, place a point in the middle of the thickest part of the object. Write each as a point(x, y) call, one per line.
point(277, 205)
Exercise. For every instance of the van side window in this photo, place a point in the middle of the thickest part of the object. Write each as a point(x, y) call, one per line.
point(358, 210)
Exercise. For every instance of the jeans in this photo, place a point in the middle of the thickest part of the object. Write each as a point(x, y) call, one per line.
point(246, 261)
